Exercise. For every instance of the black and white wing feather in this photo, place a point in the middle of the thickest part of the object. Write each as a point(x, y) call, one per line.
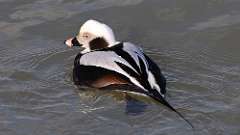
point(130, 61)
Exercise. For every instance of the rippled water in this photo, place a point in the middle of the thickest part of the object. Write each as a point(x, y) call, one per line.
point(196, 43)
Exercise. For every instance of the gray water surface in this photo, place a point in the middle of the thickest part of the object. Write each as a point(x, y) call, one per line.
point(195, 42)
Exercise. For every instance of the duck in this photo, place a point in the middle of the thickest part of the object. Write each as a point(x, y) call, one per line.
point(105, 62)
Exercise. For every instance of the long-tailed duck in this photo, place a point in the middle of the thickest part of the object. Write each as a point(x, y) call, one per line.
point(105, 62)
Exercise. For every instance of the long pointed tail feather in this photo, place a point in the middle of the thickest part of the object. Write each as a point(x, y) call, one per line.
point(155, 96)
point(164, 102)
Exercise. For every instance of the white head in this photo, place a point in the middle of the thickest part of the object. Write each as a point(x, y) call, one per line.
point(93, 35)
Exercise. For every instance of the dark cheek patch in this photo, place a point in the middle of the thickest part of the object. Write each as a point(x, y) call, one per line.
point(98, 43)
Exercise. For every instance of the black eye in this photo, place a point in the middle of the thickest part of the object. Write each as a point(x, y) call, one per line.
point(86, 36)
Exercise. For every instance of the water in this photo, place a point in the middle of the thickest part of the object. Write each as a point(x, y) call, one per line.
point(196, 43)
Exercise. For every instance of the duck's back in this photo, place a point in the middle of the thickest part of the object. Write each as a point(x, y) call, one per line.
point(123, 63)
